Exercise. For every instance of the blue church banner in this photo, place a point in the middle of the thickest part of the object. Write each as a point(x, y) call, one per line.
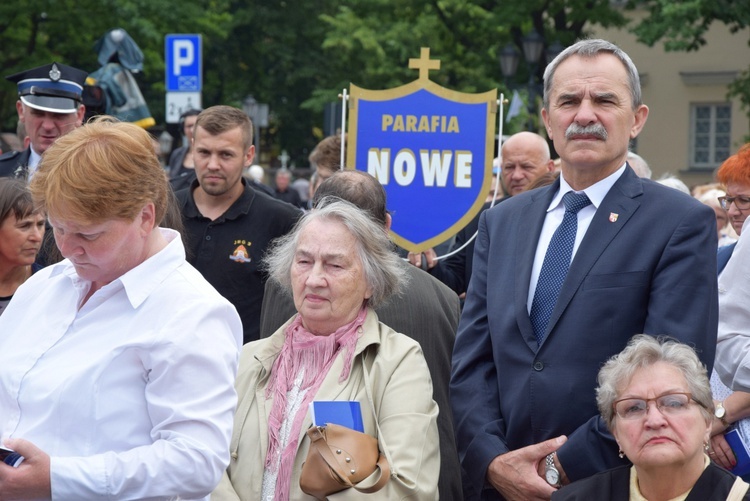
point(430, 147)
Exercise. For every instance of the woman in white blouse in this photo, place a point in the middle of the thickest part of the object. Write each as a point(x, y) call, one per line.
point(118, 362)
point(732, 363)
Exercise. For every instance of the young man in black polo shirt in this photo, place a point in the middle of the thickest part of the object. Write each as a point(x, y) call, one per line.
point(229, 225)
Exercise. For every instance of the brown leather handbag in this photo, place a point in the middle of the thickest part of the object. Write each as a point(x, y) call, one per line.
point(340, 458)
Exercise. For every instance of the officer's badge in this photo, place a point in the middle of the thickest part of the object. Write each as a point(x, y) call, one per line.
point(21, 172)
point(54, 73)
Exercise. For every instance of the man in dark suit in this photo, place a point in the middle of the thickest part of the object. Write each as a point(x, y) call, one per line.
point(49, 105)
point(642, 258)
point(427, 311)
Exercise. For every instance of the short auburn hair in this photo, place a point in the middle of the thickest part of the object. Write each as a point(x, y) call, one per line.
point(104, 170)
point(736, 169)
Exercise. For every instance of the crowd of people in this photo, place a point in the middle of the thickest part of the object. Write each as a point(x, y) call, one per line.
point(172, 344)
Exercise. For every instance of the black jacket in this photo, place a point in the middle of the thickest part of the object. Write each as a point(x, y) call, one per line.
point(614, 485)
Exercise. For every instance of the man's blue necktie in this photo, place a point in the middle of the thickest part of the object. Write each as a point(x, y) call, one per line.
point(556, 264)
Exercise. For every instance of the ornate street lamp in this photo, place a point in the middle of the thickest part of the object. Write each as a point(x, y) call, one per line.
point(533, 44)
point(533, 47)
point(509, 61)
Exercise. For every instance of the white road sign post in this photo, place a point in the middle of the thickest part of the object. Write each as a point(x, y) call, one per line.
point(183, 55)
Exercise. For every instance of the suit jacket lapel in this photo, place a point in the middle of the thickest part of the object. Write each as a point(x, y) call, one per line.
point(620, 203)
point(527, 240)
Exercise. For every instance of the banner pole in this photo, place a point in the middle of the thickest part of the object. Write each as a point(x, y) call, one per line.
point(344, 99)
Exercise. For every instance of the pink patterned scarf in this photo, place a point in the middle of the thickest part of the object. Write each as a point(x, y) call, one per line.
point(314, 356)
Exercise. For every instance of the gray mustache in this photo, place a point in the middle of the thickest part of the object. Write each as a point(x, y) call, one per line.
point(596, 130)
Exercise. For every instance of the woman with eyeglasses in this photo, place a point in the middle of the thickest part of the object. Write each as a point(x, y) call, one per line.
point(656, 401)
point(734, 174)
point(732, 408)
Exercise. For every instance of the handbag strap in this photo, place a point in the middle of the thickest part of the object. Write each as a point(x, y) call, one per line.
point(739, 489)
point(368, 390)
point(317, 439)
point(385, 473)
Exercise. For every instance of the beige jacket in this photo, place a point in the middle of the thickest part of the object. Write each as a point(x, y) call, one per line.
point(402, 395)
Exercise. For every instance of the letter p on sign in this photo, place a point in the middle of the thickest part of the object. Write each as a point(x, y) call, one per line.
point(184, 55)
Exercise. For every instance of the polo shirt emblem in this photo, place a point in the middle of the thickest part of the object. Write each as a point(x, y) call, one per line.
point(240, 255)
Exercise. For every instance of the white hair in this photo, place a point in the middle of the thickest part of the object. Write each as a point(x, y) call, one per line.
point(639, 165)
point(256, 173)
point(674, 182)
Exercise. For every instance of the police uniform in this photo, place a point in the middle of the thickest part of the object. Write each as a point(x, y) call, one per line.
point(14, 163)
point(55, 88)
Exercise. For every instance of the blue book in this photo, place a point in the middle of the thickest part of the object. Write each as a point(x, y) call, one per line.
point(740, 452)
point(342, 412)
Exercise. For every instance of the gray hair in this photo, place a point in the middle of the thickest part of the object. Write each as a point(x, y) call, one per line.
point(711, 198)
point(591, 48)
point(382, 267)
point(674, 182)
point(639, 165)
point(644, 351)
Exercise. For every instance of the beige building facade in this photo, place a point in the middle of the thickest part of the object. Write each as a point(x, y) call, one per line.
point(691, 126)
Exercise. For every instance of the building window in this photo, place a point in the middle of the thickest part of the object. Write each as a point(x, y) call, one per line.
point(710, 134)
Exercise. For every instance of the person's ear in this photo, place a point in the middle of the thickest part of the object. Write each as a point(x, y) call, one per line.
point(641, 114)
point(80, 113)
point(249, 155)
point(148, 218)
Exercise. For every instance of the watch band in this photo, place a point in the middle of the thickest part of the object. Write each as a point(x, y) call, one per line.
point(551, 474)
point(721, 413)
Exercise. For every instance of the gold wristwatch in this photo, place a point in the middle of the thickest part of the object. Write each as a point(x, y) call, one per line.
point(721, 413)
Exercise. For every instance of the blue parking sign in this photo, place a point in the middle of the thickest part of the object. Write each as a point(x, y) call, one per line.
point(183, 58)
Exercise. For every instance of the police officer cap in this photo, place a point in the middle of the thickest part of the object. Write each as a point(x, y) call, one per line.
point(53, 87)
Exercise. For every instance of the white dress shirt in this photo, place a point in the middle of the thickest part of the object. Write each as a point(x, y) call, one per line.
point(34, 159)
point(732, 361)
point(132, 395)
point(555, 212)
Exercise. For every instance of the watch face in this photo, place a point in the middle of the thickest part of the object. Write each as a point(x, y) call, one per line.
point(552, 476)
point(720, 411)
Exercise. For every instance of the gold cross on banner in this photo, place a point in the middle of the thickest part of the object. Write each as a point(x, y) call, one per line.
point(424, 64)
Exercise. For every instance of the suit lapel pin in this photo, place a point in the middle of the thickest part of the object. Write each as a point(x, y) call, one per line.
point(613, 217)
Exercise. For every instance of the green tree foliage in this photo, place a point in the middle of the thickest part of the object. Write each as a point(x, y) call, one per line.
point(295, 55)
point(377, 37)
point(682, 27)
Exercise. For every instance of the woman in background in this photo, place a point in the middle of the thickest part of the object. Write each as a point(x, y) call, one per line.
point(21, 235)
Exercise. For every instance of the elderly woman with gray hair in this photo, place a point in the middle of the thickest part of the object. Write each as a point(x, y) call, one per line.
point(337, 264)
point(656, 400)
